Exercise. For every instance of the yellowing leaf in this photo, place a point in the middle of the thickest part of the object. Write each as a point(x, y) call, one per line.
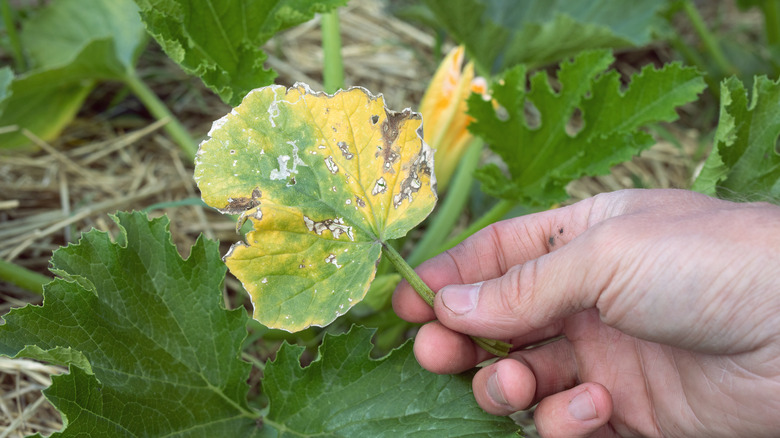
point(325, 181)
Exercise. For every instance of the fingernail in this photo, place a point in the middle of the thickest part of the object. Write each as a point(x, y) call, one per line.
point(582, 408)
point(460, 298)
point(494, 390)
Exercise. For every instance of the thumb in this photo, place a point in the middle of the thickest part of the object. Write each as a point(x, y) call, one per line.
point(529, 296)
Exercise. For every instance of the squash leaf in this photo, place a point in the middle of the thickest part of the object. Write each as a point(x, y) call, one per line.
point(72, 44)
point(344, 393)
point(152, 351)
point(500, 34)
point(543, 142)
point(219, 41)
point(745, 159)
point(150, 347)
point(325, 181)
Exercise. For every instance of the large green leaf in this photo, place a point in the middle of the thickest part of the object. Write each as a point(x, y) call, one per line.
point(346, 394)
point(499, 34)
point(546, 151)
point(72, 44)
point(325, 181)
point(151, 351)
point(745, 161)
point(219, 41)
point(163, 353)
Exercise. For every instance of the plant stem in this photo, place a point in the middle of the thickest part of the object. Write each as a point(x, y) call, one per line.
point(771, 21)
point(408, 273)
point(449, 211)
point(707, 38)
point(492, 346)
point(493, 215)
point(13, 37)
point(333, 70)
point(23, 277)
point(158, 109)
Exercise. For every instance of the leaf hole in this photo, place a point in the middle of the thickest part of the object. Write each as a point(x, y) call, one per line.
point(532, 115)
point(575, 123)
point(374, 119)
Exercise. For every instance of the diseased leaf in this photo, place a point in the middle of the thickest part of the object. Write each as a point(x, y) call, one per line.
point(220, 41)
point(346, 394)
point(151, 349)
point(325, 181)
point(537, 134)
point(500, 34)
point(745, 161)
point(72, 44)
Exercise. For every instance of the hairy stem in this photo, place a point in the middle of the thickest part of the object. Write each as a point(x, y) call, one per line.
point(158, 109)
point(492, 346)
point(452, 207)
point(333, 70)
point(708, 39)
point(23, 277)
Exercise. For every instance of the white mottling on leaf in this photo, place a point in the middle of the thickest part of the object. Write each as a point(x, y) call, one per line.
point(379, 187)
point(332, 259)
point(331, 165)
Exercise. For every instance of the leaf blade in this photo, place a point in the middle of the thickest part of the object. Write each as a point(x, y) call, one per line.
point(344, 393)
point(324, 180)
point(231, 64)
point(152, 328)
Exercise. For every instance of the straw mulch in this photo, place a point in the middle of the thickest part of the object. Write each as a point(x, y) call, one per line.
point(118, 158)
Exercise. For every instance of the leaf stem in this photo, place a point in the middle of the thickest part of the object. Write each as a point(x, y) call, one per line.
point(23, 277)
point(450, 210)
point(771, 21)
point(707, 38)
point(13, 37)
point(333, 68)
point(495, 214)
point(259, 364)
point(158, 109)
point(492, 346)
point(408, 273)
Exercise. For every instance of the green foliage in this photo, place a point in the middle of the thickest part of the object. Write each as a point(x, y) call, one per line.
point(745, 161)
point(541, 153)
point(72, 44)
point(162, 352)
point(152, 351)
point(500, 34)
point(389, 397)
point(220, 41)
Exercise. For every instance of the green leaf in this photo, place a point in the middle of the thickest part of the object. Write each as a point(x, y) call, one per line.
point(745, 161)
point(220, 41)
point(73, 44)
point(151, 349)
point(499, 34)
point(541, 153)
point(344, 393)
point(56, 35)
point(325, 181)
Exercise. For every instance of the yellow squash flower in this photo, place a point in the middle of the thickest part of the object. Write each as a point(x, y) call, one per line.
point(444, 113)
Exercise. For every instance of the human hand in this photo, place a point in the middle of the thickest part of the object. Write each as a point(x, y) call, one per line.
point(666, 302)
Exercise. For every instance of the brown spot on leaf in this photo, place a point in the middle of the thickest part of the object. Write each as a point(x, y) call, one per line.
point(411, 184)
point(242, 204)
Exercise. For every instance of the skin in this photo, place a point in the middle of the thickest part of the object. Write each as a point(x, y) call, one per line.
point(660, 310)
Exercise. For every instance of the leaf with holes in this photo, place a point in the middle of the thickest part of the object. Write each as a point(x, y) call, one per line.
point(325, 180)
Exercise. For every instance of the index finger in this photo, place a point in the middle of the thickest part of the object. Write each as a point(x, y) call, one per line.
point(490, 252)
